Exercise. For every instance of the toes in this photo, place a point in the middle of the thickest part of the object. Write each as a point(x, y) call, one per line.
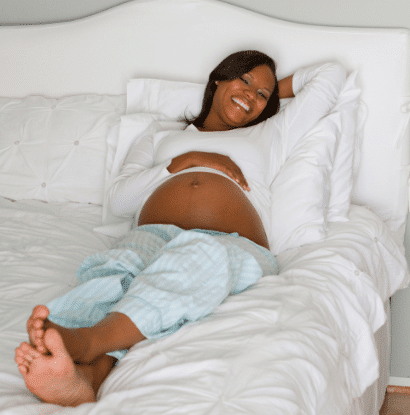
point(40, 312)
point(42, 349)
point(36, 326)
point(27, 352)
point(38, 337)
point(24, 356)
point(54, 342)
point(29, 323)
point(24, 347)
point(22, 362)
point(19, 352)
point(19, 359)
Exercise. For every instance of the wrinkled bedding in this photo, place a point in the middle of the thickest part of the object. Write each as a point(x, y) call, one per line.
point(300, 342)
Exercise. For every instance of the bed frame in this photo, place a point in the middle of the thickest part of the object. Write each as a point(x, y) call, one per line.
point(99, 54)
point(185, 39)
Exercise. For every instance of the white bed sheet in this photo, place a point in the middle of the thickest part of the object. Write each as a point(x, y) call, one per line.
point(41, 246)
point(299, 342)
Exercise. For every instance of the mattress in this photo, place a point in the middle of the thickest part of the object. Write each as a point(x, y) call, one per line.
point(298, 342)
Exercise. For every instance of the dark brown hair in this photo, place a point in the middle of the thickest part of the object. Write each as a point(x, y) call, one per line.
point(233, 67)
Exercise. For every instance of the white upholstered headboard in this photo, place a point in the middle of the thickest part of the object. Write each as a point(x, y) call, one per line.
point(185, 39)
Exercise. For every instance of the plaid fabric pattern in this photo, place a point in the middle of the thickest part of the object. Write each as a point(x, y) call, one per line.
point(161, 277)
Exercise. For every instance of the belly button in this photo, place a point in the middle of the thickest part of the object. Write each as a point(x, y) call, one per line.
point(195, 183)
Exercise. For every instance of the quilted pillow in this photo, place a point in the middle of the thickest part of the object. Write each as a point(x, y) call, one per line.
point(54, 150)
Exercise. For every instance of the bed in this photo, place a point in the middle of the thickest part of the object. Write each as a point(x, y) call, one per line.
point(314, 339)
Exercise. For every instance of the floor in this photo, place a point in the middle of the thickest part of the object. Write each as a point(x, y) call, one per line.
point(397, 402)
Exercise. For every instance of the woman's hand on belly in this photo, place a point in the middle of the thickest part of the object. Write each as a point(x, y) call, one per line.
point(207, 201)
point(212, 160)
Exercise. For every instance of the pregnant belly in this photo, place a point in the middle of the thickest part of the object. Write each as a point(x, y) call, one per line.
point(206, 201)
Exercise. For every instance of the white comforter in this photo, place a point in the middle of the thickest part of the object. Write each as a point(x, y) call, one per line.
point(300, 342)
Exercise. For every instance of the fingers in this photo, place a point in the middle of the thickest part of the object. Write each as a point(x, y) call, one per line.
point(213, 160)
point(243, 183)
point(237, 175)
point(229, 167)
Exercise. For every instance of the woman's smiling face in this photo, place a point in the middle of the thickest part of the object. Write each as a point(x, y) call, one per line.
point(238, 102)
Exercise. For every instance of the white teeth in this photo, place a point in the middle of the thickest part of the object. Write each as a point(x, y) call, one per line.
point(242, 104)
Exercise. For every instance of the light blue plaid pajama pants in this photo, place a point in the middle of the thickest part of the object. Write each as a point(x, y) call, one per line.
point(161, 277)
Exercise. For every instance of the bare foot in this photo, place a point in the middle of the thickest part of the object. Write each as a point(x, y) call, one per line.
point(85, 344)
point(54, 378)
point(36, 327)
point(77, 341)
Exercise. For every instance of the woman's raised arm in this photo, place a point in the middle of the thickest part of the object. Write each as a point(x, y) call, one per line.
point(286, 87)
point(316, 90)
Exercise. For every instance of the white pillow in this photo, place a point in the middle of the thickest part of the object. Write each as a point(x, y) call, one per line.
point(172, 99)
point(300, 191)
point(54, 150)
point(344, 169)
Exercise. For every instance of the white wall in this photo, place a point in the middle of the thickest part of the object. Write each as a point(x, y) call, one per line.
point(366, 13)
point(48, 11)
point(359, 13)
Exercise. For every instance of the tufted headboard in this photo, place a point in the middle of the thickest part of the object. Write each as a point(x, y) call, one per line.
point(185, 39)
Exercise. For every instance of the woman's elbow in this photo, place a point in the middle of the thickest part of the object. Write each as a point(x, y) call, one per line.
point(334, 79)
point(121, 201)
point(114, 201)
point(337, 73)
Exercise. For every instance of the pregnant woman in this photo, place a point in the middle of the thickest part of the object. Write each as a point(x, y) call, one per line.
point(200, 201)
